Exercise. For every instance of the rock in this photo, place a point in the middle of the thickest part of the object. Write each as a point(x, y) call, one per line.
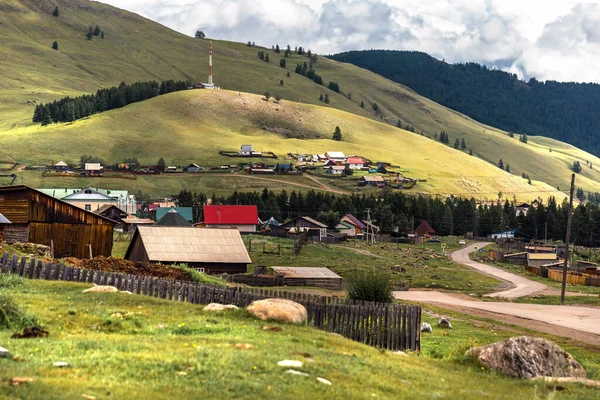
point(19, 380)
point(4, 353)
point(290, 363)
point(444, 323)
point(400, 353)
point(279, 310)
point(219, 307)
point(527, 357)
point(323, 380)
point(125, 291)
point(294, 372)
point(426, 327)
point(243, 346)
point(61, 364)
point(101, 289)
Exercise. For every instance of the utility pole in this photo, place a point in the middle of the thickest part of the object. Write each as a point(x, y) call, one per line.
point(568, 239)
point(370, 232)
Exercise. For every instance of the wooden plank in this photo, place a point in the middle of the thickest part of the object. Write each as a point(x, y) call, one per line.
point(5, 263)
point(39, 269)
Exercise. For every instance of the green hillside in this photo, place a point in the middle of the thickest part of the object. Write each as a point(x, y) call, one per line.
point(136, 49)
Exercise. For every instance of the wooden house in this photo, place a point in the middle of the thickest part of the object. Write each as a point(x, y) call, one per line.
point(370, 180)
point(336, 170)
point(307, 276)
point(425, 229)
point(214, 251)
point(243, 218)
point(346, 229)
point(92, 169)
point(336, 156)
point(42, 219)
point(329, 163)
point(113, 213)
point(359, 226)
point(307, 225)
point(192, 168)
point(355, 163)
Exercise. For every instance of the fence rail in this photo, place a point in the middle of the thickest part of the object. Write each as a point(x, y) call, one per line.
point(388, 326)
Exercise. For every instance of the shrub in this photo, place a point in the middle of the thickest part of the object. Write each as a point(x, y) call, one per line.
point(199, 277)
point(10, 281)
point(10, 315)
point(370, 285)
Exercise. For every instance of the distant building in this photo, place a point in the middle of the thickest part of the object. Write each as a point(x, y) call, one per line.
point(425, 229)
point(355, 162)
point(246, 149)
point(503, 235)
point(214, 251)
point(60, 166)
point(173, 218)
point(336, 156)
point(93, 168)
point(186, 212)
point(307, 225)
point(97, 198)
point(329, 163)
point(371, 180)
point(193, 168)
point(336, 170)
point(243, 218)
point(359, 226)
point(113, 213)
point(3, 222)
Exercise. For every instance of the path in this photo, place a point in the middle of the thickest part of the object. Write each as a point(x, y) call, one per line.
point(322, 187)
point(582, 319)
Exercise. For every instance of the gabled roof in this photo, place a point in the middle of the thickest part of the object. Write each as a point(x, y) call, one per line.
point(355, 160)
point(424, 228)
point(87, 195)
point(196, 245)
point(186, 212)
point(230, 215)
point(193, 166)
point(106, 207)
point(270, 222)
point(372, 178)
point(344, 225)
point(61, 164)
point(292, 223)
point(354, 221)
point(173, 218)
point(337, 168)
point(3, 219)
point(335, 154)
point(306, 272)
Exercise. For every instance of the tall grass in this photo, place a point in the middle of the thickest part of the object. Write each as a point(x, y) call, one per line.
point(371, 285)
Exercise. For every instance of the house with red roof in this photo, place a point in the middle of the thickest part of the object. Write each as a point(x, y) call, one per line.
point(242, 218)
point(355, 162)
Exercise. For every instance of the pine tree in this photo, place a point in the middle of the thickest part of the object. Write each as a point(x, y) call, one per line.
point(501, 164)
point(399, 124)
point(90, 33)
point(283, 63)
point(326, 100)
point(321, 97)
point(362, 104)
point(249, 44)
point(55, 12)
point(97, 31)
point(576, 167)
point(523, 138)
point(337, 135)
point(277, 50)
point(281, 82)
point(375, 107)
point(199, 34)
point(470, 152)
point(463, 145)
point(45, 116)
point(55, 45)
point(102, 35)
point(267, 58)
point(161, 165)
point(508, 168)
point(456, 143)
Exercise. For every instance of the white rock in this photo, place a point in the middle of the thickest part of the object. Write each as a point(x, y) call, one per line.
point(219, 307)
point(61, 364)
point(101, 289)
point(290, 363)
point(4, 353)
point(323, 380)
point(400, 353)
point(126, 292)
point(426, 327)
point(294, 372)
point(444, 323)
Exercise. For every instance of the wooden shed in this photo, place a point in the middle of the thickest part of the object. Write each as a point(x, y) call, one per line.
point(306, 276)
point(214, 251)
point(39, 218)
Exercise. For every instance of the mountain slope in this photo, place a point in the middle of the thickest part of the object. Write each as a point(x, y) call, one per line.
point(563, 111)
point(137, 49)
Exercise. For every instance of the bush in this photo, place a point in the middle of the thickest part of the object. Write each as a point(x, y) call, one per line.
point(10, 281)
point(10, 315)
point(370, 285)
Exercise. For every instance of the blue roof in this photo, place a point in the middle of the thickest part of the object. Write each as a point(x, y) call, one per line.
point(185, 212)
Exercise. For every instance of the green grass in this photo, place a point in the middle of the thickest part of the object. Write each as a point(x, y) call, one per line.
point(124, 346)
point(425, 265)
point(188, 127)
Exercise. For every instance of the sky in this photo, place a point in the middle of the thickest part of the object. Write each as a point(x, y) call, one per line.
point(549, 39)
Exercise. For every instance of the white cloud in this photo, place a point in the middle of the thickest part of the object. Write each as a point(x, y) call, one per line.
point(551, 39)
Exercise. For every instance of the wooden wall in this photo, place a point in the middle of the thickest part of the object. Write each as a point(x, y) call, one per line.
point(137, 251)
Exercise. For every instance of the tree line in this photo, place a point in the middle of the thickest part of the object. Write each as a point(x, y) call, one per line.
point(69, 109)
point(563, 111)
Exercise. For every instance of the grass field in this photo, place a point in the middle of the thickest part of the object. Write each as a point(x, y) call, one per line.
point(124, 346)
point(139, 49)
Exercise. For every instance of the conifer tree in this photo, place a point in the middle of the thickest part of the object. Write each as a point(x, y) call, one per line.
point(321, 97)
point(399, 124)
point(326, 99)
point(362, 104)
point(277, 50)
point(456, 143)
point(56, 12)
point(55, 45)
point(508, 168)
point(463, 144)
point(501, 164)
point(281, 82)
point(283, 63)
point(267, 58)
point(90, 33)
point(337, 135)
point(375, 107)
point(161, 165)
point(102, 35)
point(470, 152)
point(97, 31)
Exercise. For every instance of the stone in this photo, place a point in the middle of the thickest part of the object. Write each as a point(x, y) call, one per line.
point(19, 380)
point(294, 372)
point(88, 397)
point(278, 310)
point(101, 289)
point(219, 307)
point(323, 380)
point(125, 291)
point(290, 363)
point(4, 353)
point(444, 323)
point(400, 353)
point(243, 346)
point(426, 327)
point(527, 357)
point(61, 364)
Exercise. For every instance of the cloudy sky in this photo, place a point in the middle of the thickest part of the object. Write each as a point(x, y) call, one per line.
point(546, 39)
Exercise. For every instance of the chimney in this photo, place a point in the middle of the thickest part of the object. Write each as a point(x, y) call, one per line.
point(210, 76)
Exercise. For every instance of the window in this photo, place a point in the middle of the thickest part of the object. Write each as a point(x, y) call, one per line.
point(200, 270)
point(88, 207)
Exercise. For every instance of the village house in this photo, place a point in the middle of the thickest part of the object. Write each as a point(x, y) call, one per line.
point(214, 251)
point(186, 212)
point(371, 180)
point(42, 219)
point(173, 218)
point(93, 169)
point(97, 198)
point(243, 218)
point(336, 156)
point(261, 171)
point(329, 163)
point(503, 235)
point(424, 229)
point(60, 166)
point(522, 209)
point(359, 226)
point(355, 163)
point(192, 168)
point(246, 149)
point(336, 170)
point(307, 225)
point(271, 223)
point(541, 259)
point(309, 276)
point(113, 213)
point(346, 229)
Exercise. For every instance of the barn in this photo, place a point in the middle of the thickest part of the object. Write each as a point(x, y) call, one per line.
point(42, 219)
point(307, 276)
point(214, 251)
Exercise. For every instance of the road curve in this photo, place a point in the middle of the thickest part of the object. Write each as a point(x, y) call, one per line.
point(521, 285)
point(583, 319)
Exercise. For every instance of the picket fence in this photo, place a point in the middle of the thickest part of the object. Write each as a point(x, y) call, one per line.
point(388, 326)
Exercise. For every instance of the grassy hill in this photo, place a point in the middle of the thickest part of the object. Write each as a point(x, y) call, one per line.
point(136, 49)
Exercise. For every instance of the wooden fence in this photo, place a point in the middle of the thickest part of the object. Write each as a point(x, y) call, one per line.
point(574, 278)
point(388, 326)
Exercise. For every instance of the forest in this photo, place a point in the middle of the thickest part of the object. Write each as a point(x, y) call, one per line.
point(563, 111)
point(69, 109)
point(396, 212)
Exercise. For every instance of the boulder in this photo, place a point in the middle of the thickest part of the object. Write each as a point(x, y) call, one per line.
point(278, 310)
point(290, 363)
point(426, 327)
point(444, 323)
point(219, 307)
point(527, 357)
point(101, 289)
point(4, 353)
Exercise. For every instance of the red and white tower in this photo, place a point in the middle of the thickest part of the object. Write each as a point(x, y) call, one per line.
point(210, 77)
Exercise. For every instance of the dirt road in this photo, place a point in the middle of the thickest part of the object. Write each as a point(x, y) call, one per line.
point(321, 187)
point(582, 319)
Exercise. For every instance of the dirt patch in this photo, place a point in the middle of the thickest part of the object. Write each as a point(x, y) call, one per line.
point(112, 264)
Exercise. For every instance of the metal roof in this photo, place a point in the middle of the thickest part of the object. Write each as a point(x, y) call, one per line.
point(173, 244)
point(354, 221)
point(93, 167)
point(306, 272)
point(371, 178)
point(3, 219)
point(173, 218)
point(542, 256)
point(185, 212)
point(230, 215)
point(87, 195)
point(61, 164)
point(335, 154)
